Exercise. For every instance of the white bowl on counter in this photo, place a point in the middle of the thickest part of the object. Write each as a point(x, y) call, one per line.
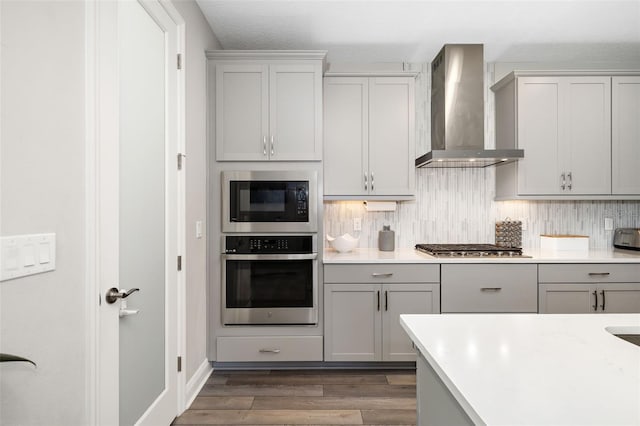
point(344, 243)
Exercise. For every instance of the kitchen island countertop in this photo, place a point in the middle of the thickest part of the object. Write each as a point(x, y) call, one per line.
point(510, 369)
point(410, 255)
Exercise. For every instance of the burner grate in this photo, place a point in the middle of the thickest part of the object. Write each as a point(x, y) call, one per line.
point(471, 250)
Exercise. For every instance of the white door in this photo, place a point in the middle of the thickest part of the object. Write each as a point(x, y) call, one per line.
point(137, 206)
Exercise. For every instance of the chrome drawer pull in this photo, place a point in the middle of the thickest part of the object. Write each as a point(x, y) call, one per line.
point(381, 274)
point(269, 351)
point(491, 289)
point(595, 274)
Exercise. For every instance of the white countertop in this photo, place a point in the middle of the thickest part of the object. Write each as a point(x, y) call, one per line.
point(410, 255)
point(508, 369)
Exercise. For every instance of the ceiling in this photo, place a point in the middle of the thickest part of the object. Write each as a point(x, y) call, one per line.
point(414, 31)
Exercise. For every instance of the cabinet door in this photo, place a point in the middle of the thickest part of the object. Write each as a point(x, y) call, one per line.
point(295, 112)
point(621, 298)
point(404, 299)
point(391, 136)
point(539, 135)
point(353, 322)
point(242, 112)
point(346, 135)
point(625, 147)
point(566, 298)
point(587, 135)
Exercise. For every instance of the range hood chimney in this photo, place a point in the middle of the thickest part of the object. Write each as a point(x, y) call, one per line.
point(457, 112)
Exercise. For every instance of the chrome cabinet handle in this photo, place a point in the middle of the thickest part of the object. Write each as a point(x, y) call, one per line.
point(493, 289)
point(272, 146)
point(378, 293)
point(381, 274)
point(264, 145)
point(595, 307)
point(570, 181)
point(599, 274)
point(113, 294)
point(603, 300)
point(372, 180)
point(386, 300)
point(365, 181)
point(563, 184)
point(269, 351)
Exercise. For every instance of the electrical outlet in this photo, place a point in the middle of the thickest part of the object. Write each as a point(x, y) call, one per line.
point(524, 223)
point(357, 224)
point(608, 224)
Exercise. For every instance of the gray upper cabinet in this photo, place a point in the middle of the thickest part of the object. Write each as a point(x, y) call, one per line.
point(369, 137)
point(576, 134)
point(625, 147)
point(268, 106)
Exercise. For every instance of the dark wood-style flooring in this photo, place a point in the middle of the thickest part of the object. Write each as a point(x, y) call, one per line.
point(305, 397)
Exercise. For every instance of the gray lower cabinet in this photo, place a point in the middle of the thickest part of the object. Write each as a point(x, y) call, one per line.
point(470, 288)
point(589, 288)
point(362, 306)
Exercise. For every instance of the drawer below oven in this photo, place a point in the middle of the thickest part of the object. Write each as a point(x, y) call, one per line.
point(269, 348)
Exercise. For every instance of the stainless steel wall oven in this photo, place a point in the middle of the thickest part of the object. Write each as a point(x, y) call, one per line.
point(269, 201)
point(270, 280)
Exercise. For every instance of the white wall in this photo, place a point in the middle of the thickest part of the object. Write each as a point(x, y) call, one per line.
point(41, 190)
point(199, 38)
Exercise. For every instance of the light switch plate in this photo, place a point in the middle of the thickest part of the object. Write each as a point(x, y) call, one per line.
point(198, 229)
point(23, 255)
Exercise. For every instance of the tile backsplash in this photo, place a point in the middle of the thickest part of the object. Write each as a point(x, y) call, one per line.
point(456, 206)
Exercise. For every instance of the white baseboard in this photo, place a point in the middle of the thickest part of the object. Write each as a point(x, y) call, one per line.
point(197, 381)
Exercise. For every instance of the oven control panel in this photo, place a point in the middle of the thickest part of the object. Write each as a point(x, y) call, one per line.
point(251, 244)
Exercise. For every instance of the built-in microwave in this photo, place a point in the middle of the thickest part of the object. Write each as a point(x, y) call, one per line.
point(269, 201)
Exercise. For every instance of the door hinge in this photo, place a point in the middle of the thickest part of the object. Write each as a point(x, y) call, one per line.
point(179, 61)
point(179, 263)
point(180, 157)
point(179, 364)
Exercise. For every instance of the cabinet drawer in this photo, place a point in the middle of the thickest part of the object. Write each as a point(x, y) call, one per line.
point(589, 272)
point(382, 273)
point(489, 288)
point(276, 348)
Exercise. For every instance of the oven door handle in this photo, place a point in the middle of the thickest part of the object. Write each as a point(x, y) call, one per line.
point(296, 256)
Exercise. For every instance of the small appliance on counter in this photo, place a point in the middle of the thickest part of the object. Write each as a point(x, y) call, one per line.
point(386, 239)
point(627, 238)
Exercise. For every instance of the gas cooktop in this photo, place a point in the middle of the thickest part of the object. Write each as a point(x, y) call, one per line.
point(470, 250)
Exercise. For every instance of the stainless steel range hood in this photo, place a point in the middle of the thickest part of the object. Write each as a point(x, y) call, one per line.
point(457, 112)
